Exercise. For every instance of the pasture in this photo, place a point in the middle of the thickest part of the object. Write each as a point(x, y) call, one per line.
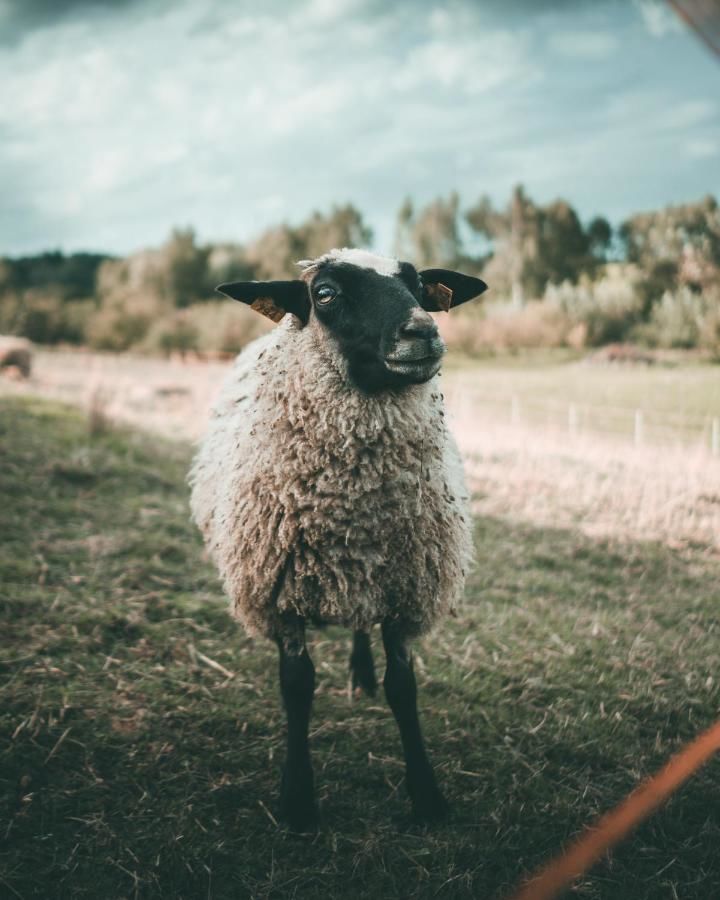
point(141, 733)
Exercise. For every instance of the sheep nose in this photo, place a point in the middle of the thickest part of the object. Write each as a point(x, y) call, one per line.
point(420, 325)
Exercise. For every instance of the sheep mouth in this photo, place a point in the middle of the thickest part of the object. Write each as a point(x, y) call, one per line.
point(418, 369)
point(419, 360)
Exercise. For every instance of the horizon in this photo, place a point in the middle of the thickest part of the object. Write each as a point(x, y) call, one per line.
point(469, 240)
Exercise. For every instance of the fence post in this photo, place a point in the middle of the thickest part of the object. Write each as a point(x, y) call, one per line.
point(715, 437)
point(638, 427)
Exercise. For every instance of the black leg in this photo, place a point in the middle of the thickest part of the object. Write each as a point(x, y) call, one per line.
point(361, 664)
point(297, 684)
point(427, 802)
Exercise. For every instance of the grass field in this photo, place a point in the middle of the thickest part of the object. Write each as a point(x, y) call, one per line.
point(141, 732)
point(678, 400)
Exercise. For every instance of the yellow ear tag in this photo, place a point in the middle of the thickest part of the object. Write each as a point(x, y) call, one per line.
point(442, 295)
point(267, 307)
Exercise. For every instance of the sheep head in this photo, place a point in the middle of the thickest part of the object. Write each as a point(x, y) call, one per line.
point(375, 308)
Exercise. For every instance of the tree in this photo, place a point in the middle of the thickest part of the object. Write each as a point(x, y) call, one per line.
point(534, 245)
point(183, 268)
point(676, 245)
point(600, 235)
point(403, 244)
point(67, 277)
point(514, 238)
point(430, 237)
point(276, 252)
point(343, 227)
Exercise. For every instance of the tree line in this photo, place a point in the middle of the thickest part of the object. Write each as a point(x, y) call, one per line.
point(522, 249)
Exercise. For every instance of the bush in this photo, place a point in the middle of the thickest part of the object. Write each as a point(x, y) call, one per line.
point(44, 317)
point(11, 312)
point(77, 315)
point(608, 308)
point(504, 327)
point(116, 329)
point(172, 333)
point(216, 326)
point(225, 327)
point(684, 319)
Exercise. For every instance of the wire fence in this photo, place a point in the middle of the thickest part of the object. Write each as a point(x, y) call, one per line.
point(630, 425)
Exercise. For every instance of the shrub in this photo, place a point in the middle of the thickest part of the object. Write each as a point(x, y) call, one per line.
point(11, 312)
point(504, 327)
point(685, 318)
point(77, 315)
point(225, 327)
point(116, 329)
point(607, 308)
point(172, 333)
point(216, 326)
point(44, 317)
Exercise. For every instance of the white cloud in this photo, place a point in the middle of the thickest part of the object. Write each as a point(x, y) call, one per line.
point(690, 112)
point(115, 128)
point(108, 169)
point(587, 45)
point(472, 64)
point(658, 19)
point(702, 149)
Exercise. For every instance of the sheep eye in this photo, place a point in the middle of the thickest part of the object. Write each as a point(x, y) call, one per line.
point(325, 294)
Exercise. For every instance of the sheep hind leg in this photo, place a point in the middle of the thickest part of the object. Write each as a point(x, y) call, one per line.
point(362, 667)
point(297, 685)
point(428, 803)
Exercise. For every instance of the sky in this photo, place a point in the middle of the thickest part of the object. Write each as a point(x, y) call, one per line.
point(120, 119)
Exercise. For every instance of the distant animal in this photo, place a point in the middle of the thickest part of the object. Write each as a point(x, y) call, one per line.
point(329, 489)
point(16, 355)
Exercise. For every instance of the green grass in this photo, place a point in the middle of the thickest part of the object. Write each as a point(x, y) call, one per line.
point(131, 767)
point(687, 388)
point(678, 402)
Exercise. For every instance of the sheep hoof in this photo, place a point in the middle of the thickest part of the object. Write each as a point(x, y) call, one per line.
point(298, 809)
point(430, 807)
point(300, 821)
point(364, 680)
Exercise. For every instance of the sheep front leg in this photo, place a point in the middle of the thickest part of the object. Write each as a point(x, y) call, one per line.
point(297, 685)
point(428, 804)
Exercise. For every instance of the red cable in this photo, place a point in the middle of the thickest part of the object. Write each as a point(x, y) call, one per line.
point(560, 872)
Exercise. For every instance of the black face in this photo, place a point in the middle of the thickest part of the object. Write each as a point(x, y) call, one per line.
point(386, 337)
point(379, 322)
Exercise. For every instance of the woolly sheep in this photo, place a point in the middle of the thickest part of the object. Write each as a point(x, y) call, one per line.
point(329, 489)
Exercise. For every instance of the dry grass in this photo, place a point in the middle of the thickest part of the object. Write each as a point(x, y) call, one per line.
point(141, 732)
point(617, 492)
point(532, 471)
point(167, 396)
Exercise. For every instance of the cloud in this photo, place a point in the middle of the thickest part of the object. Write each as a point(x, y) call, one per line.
point(688, 113)
point(702, 149)
point(230, 116)
point(658, 19)
point(587, 45)
point(20, 17)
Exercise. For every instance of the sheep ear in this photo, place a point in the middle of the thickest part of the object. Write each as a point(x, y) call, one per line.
point(444, 289)
point(271, 298)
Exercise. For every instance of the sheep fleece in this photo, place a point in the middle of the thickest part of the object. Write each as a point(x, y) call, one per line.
point(313, 497)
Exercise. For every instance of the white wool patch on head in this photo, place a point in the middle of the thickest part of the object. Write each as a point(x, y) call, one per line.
point(364, 259)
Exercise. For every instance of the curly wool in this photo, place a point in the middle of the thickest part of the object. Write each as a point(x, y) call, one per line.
point(344, 507)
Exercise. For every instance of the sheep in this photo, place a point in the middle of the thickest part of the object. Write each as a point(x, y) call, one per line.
point(16, 356)
point(330, 491)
